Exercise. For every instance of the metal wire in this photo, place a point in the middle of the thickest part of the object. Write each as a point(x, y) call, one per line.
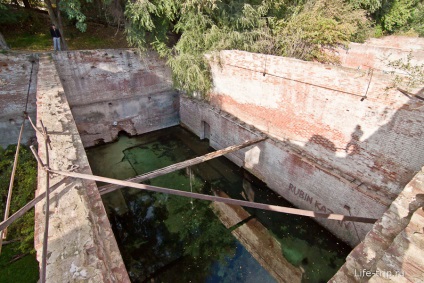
point(263, 206)
point(47, 212)
point(3, 234)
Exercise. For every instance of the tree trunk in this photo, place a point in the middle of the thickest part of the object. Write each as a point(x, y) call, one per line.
point(3, 44)
point(26, 4)
point(56, 20)
point(61, 29)
point(52, 14)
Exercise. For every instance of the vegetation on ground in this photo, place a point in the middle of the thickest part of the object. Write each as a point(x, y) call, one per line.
point(29, 30)
point(18, 258)
point(183, 31)
point(14, 268)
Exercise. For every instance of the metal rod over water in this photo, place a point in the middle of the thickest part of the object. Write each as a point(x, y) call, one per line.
point(275, 208)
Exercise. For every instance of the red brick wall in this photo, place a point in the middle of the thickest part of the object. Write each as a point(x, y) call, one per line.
point(288, 170)
point(376, 53)
point(318, 109)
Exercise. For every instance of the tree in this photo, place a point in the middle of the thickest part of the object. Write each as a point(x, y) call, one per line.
point(184, 31)
point(27, 5)
point(394, 15)
point(56, 19)
point(3, 44)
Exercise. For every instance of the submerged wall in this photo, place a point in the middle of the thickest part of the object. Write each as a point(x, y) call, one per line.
point(16, 81)
point(117, 90)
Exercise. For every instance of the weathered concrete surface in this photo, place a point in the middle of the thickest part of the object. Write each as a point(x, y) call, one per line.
point(117, 90)
point(377, 53)
point(378, 141)
point(15, 79)
point(257, 240)
point(81, 244)
point(286, 169)
point(393, 249)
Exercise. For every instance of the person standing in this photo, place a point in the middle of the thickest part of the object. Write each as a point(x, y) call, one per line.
point(56, 37)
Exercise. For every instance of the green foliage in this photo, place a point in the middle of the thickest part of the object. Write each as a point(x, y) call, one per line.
point(184, 31)
point(416, 21)
point(7, 17)
point(35, 42)
point(25, 183)
point(321, 24)
point(72, 8)
point(22, 270)
point(393, 16)
point(32, 33)
point(396, 14)
point(370, 5)
point(407, 75)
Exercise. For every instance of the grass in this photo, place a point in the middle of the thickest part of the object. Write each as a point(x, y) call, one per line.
point(32, 42)
point(96, 37)
point(34, 35)
point(22, 270)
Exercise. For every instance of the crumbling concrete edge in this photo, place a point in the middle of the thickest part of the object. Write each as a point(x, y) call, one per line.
point(81, 244)
point(365, 262)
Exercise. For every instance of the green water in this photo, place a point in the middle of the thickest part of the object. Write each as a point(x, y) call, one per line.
point(164, 238)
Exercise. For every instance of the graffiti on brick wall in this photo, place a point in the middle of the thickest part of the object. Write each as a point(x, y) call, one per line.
point(300, 194)
point(318, 206)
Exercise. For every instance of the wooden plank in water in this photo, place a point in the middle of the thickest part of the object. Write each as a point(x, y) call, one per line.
point(181, 165)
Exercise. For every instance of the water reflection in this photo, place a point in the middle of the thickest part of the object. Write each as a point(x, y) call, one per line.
point(166, 238)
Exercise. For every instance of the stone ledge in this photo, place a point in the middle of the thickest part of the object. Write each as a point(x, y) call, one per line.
point(395, 244)
point(81, 244)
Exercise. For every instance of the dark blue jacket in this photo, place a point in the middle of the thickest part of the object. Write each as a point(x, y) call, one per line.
point(54, 32)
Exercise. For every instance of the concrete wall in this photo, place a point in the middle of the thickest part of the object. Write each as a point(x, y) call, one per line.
point(376, 142)
point(15, 82)
point(117, 90)
point(81, 244)
point(377, 53)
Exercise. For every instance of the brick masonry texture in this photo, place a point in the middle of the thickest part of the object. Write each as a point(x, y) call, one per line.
point(393, 250)
point(376, 53)
point(285, 169)
point(15, 76)
point(117, 90)
point(377, 142)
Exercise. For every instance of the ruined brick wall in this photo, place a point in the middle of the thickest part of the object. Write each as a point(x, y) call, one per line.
point(377, 53)
point(117, 90)
point(15, 79)
point(345, 120)
point(392, 250)
point(286, 169)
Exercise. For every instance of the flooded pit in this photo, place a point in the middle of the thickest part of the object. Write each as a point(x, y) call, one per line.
point(165, 238)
